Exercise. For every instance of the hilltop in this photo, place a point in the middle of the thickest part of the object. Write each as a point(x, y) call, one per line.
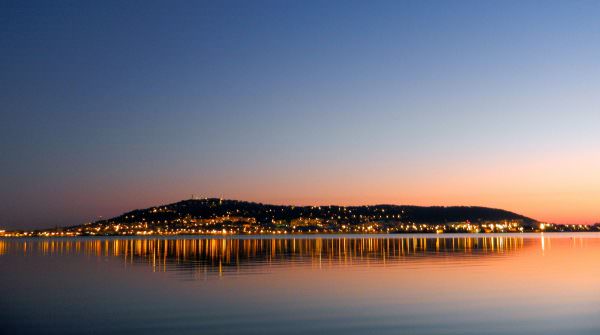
point(264, 213)
point(213, 215)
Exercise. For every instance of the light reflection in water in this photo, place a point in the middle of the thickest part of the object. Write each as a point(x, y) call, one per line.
point(335, 284)
point(233, 255)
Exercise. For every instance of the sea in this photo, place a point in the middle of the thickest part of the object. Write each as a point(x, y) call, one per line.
point(546, 283)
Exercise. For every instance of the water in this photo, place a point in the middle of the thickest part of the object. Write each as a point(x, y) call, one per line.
point(331, 284)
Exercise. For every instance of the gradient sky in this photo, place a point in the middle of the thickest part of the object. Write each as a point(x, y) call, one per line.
point(110, 106)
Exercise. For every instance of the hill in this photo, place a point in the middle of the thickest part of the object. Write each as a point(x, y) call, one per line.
point(212, 215)
point(264, 213)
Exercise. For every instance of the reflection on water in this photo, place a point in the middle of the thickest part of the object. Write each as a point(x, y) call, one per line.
point(328, 284)
point(223, 255)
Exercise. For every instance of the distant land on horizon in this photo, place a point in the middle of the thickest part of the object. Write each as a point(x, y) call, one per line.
point(209, 207)
point(219, 216)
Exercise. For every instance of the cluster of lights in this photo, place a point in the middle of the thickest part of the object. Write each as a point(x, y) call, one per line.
point(219, 219)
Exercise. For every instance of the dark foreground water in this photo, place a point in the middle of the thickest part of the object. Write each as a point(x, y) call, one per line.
point(374, 284)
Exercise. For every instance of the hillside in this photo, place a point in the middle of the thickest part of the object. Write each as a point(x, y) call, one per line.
point(212, 214)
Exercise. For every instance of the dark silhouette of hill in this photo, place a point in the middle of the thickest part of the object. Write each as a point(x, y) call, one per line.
point(264, 213)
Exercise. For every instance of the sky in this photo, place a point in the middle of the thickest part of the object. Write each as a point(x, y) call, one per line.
point(109, 106)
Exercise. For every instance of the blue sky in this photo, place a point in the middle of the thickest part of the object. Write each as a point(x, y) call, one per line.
point(108, 106)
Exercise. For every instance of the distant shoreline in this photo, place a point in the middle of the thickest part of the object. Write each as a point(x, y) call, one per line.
point(302, 235)
point(215, 217)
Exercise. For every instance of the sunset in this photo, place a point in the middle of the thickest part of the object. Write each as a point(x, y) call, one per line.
point(193, 145)
point(114, 107)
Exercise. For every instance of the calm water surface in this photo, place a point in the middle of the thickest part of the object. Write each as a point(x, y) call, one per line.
point(336, 284)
